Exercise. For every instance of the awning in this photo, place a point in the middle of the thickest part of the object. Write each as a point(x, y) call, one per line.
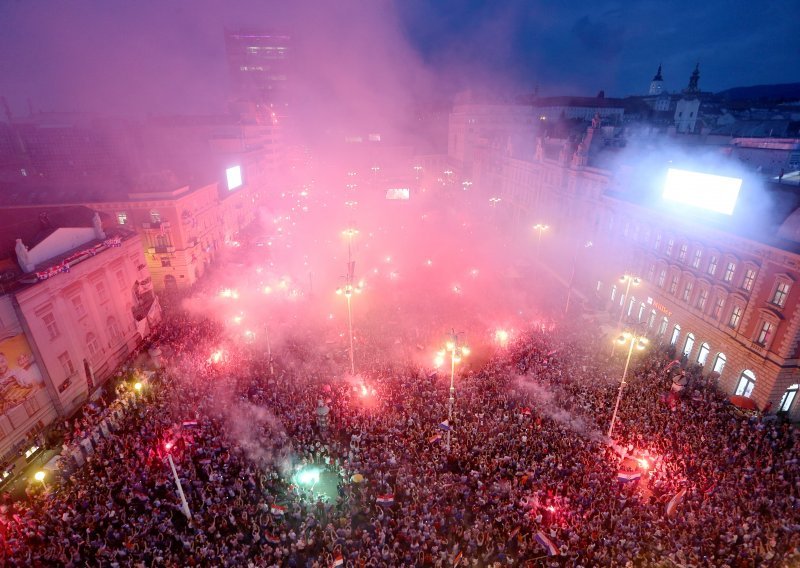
point(743, 402)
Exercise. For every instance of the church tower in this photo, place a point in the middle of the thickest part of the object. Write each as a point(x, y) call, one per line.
point(657, 84)
point(693, 88)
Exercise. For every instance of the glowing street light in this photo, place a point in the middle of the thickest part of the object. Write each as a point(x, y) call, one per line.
point(634, 340)
point(631, 280)
point(540, 227)
point(347, 291)
point(501, 336)
point(137, 387)
point(350, 233)
point(457, 353)
point(184, 503)
point(39, 476)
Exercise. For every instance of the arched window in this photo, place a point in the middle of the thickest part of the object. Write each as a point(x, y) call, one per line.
point(747, 380)
point(702, 355)
point(613, 292)
point(652, 319)
point(689, 345)
point(662, 329)
point(719, 363)
point(113, 327)
point(676, 331)
point(788, 398)
point(91, 344)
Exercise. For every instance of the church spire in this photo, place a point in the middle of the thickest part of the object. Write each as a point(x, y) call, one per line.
point(657, 84)
point(693, 87)
point(658, 76)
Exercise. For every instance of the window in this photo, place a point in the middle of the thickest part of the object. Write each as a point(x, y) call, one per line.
point(781, 292)
point(91, 344)
point(122, 217)
point(121, 280)
point(702, 297)
point(101, 291)
point(155, 216)
point(52, 326)
point(670, 244)
point(682, 252)
point(712, 265)
point(113, 327)
point(718, 305)
point(698, 256)
point(687, 291)
point(749, 278)
point(702, 354)
point(663, 327)
point(788, 398)
point(651, 272)
point(652, 319)
point(662, 276)
point(673, 287)
point(676, 331)
point(630, 306)
point(736, 317)
point(165, 261)
point(66, 364)
point(613, 292)
point(641, 311)
point(77, 304)
point(688, 345)
point(657, 242)
point(719, 363)
point(747, 380)
point(765, 333)
point(729, 270)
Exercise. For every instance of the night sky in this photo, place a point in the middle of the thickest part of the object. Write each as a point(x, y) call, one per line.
point(160, 56)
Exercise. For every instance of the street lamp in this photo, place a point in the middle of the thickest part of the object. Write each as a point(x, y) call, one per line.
point(39, 476)
point(634, 340)
point(350, 233)
point(540, 227)
point(586, 245)
point(347, 291)
point(184, 503)
point(457, 352)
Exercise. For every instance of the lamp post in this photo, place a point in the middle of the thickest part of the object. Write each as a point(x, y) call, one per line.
point(586, 245)
point(347, 291)
point(631, 280)
point(457, 352)
point(634, 340)
point(39, 476)
point(540, 227)
point(350, 233)
point(184, 503)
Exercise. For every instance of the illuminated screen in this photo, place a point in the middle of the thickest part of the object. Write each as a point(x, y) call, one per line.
point(706, 191)
point(234, 175)
point(398, 193)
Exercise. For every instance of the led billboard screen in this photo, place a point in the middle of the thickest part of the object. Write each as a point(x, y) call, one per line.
point(234, 175)
point(398, 193)
point(705, 191)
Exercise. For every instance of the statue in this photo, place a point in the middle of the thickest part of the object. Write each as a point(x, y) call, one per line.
point(98, 226)
point(23, 257)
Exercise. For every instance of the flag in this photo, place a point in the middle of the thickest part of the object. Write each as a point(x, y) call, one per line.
point(190, 424)
point(458, 558)
point(271, 538)
point(434, 438)
point(337, 559)
point(444, 425)
point(625, 476)
point(526, 411)
point(387, 499)
point(277, 510)
point(549, 545)
point(553, 352)
point(672, 506)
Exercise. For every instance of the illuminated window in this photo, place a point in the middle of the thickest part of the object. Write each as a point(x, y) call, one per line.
point(52, 326)
point(102, 294)
point(688, 345)
point(121, 280)
point(781, 292)
point(682, 253)
point(122, 217)
point(698, 255)
point(613, 292)
point(673, 287)
point(719, 363)
point(66, 364)
point(155, 216)
point(729, 270)
point(641, 311)
point(765, 333)
point(91, 344)
point(718, 305)
point(736, 317)
point(663, 327)
point(788, 398)
point(702, 297)
point(702, 354)
point(712, 265)
point(662, 276)
point(749, 278)
point(747, 380)
point(652, 319)
point(670, 244)
point(676, 331)
point(687, 291)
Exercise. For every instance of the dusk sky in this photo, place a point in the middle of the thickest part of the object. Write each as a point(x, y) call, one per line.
point(168, 56)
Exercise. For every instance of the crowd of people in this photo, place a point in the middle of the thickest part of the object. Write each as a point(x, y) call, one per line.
point(528, 479)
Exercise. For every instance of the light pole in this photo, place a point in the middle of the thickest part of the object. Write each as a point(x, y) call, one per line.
point(184, 503)
point(39, 476)
point(457, 352)
point(347, 291)
point(540, 227)
point(350, 233)
point(586, 245)
point(630, 280)
point(269, 350)
point(640, 342)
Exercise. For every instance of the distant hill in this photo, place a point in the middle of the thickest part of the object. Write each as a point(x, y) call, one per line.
point(763, 93)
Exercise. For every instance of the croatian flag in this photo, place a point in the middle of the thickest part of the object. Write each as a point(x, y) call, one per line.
point(435, 438)
point(271, 538)
point(672, 506)
point(387, 499)
point(190, 424)
point(445, 425)
point(549, 545)
point(277, 510)
point(625, 476)
point(337, 560)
